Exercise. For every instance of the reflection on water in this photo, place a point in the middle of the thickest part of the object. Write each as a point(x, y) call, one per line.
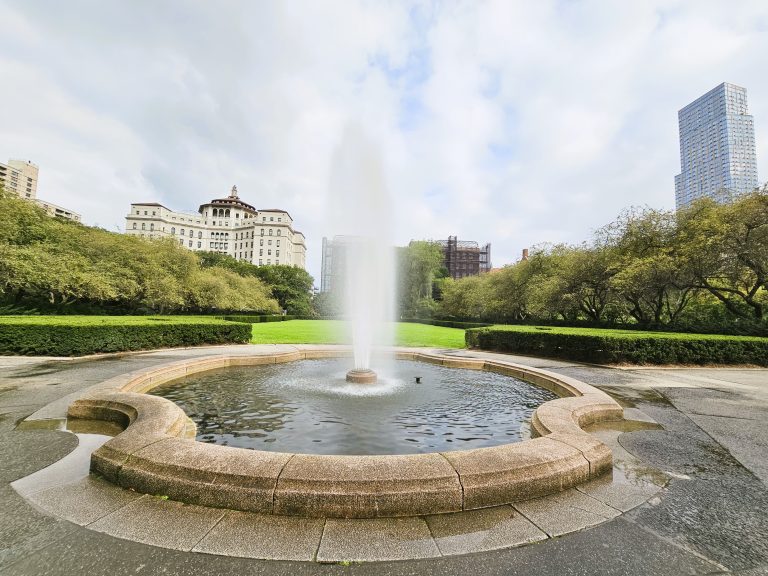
point(308, 407)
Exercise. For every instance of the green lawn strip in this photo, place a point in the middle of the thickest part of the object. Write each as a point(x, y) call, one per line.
point(621, 346)
point(334, 332)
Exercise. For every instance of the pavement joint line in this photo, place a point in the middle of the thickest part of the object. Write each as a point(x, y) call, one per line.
point(29, 553)
point(224, 515)
point(516, 509)
point(432, 534)
point(604, 503)
point(461, 484)
point(277, 480)
point(723, 416)
point(320, 541)
point(679, 546)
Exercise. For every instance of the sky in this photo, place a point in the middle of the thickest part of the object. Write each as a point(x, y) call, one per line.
point(509, 122)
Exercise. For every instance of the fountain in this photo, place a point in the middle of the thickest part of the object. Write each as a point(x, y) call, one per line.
point(360, 210)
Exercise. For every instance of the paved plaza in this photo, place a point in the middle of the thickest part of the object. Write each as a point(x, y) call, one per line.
point(689, 492)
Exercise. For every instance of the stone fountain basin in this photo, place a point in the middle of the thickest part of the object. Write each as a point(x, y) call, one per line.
point(157, 454)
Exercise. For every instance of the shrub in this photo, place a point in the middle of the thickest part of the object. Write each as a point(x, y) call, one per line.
point(617, 346)
point(81, 335)
point(258, 319)
point(446, 323)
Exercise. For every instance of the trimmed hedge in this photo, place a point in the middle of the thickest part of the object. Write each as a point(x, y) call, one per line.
point(258, 319)
point(446, 323)
point(619, 346)
point(82, 335)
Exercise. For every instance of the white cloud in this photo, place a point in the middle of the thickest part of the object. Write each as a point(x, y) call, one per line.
point(501, 121)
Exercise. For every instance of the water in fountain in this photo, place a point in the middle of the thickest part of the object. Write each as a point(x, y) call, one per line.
point(360, 212)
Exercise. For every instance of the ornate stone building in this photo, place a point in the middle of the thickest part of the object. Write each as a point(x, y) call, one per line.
point(225, 225)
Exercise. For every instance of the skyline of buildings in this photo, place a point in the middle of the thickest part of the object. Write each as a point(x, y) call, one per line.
point(19, 177)
point(717, 146)
point(227, 226)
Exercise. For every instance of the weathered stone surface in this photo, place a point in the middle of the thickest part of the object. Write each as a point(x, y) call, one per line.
point(482, 530)
point(160, 523)
point(514, 472)
point(85, 501)
point(376, 540)
point(598, 454)
point(205, 474)
point(569, 511)
point(367, 486)
point(264, 536)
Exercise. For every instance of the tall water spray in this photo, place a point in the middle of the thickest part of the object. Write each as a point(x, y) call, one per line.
point(360, 215)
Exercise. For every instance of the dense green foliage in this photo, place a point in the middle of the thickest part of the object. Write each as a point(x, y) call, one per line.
point(258, 319)
point(419, 267)
point(334, 332)
point(291, 286)
point(621, 346)
point(704, 269)
point(54, 265)
point(81, 335)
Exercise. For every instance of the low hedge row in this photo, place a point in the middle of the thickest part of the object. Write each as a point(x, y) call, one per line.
point(258, 319)
point(78, 336)
point(618, 346)
point(446, 323)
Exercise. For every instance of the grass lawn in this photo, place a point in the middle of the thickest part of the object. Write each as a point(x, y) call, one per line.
point(333, 332)
point(623, 334)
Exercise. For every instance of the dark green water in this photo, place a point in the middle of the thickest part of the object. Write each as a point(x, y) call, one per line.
point(308, 407)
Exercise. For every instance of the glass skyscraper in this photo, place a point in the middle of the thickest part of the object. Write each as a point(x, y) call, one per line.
point(717, 147)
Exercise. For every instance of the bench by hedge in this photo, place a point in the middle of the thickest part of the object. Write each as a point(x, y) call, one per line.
point(621, 346)
point(82, 335)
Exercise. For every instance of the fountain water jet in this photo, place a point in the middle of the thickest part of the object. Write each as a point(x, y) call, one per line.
point(360, 210)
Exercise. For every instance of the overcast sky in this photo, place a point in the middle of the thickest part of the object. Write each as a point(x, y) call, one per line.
point(505, 122)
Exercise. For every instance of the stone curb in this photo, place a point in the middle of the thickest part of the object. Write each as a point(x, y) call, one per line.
point(155, 454)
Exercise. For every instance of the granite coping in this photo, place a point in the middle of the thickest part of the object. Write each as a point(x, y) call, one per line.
point(155, 453)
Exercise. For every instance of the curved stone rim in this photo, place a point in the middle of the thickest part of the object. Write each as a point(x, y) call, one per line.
point(156, 453)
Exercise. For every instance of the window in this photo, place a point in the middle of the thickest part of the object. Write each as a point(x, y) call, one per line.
point(270, 231)
point(137, 212)
point(271, 218)
point(181, 241)
point(151, 225)
point(200, 234)
point(153, 213)
point(237, 215)
point(143, 226)
point(269, 242)
point(145, 212)
point(134, 225)
point(269, 261)
point(261, 242)
point(191, 233)
point(279, 219)
point(263, 218)
point(277, 252)
point(269, 252)
point(190, 243)
point(278, 232)
point(199, 244)
point(262, 231)
point(278, 242)
point(261, 252)
point(277, 262)
point(173, 230)
point(182, 231)
point(260, 262)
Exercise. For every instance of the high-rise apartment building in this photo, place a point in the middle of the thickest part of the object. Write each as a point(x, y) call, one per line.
point(225, 225)
point(19, 177)
point(717, 146)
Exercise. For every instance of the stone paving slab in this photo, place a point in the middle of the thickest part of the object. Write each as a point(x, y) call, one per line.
point(482, 530)
point(377, 539)
point(151, 520)
point(566, 512)
point(84, 501)
point(249, 535)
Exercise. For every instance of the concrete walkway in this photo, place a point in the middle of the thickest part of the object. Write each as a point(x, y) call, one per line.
point(711, 518)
